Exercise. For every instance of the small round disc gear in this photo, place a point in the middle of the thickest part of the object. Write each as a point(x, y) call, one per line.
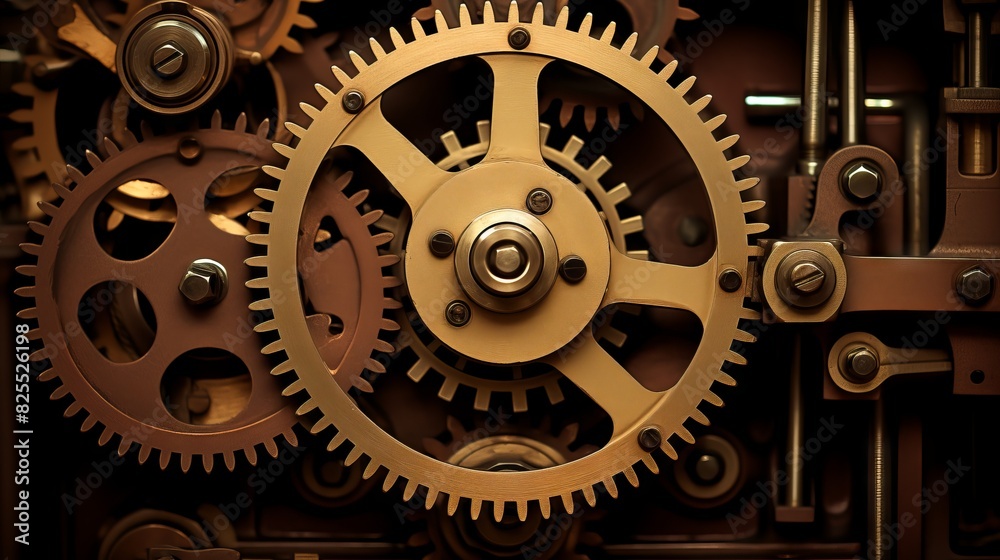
point(513, 381)
point(439, 198)
point(259, 27)
point(132, 398)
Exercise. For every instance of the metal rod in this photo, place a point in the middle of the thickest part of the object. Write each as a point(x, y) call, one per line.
point(815, 126)
point(796, 429)
point(852, 80)
point(917, 137)
point(977, 150)
point(879, 488)
point(978, 47)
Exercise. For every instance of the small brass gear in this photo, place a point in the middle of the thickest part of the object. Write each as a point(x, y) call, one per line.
point(435, 196)
point(132, 398)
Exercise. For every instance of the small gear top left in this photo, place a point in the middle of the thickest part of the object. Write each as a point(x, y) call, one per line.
point(146, 324)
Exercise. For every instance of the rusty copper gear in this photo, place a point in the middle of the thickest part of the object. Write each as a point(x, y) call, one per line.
point(128, 398)
point(514, 157)
point(342, 279)
point(259, 27)
point(512, 381)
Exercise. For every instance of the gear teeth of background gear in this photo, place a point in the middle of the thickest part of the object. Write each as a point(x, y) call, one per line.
point(475, 493)
point(90, 420)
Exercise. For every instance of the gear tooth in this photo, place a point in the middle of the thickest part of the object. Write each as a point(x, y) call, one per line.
point(262, 217)
point(448, 389)
point(747, 184)
point(610, 486)
point(544, 130)
point(628, 47)
point(753, 206)
point(39, 355)
point(268, 194)
point(650, 462)
point(590, 495)
point(28, 313)
point(562, 20)
point(453, 500)
point(110, 147)
point(538, 17)
point(320, 425)
point(272, 447)
point(568, 505)
point(370, 470)
point(514, 12)
point(388, 261)
point(93, 159)
point(686, 85)
point(484, 130)
point(757, 229)
point(397, 39)
point(609, 33)
point(685, 434)
point(482, 401)
point(307, 407)
point(336, 442)
point(725, 379)
point(632, 478)
point(750, 314)
point(619, 194)
point(545, 506)
point(38, 227)
point(744, 336)
point(274, 347)
point(228, 457)
point(650, 56)
point(450, 140)
point(285, 150)
point(430, 498)
point(616, 337)
point(418, 28)
point(60, 392)
point(48, 375)
point(374, 365)
point(390, 303)
point(74, 174)
point(262, 305)
point(600, 167)
point(282, 368)
point(275, 172)
point(632, 225)
point(303, 21)
point(258, 239)
point(240, 125)
point(476, 508)
point(130, 139)
point(164, 459)
point(372, 217)
point(381, 239)
point(668, 71)
point(390, 481)
point(342, 77)
point(573, 147)
point(409, 490)
point(418, 370)
point(144, 451)
point(389, 325)
point(500, 505)
point(251, 452)
point(259, 261)
point(554, 392)
point(358, 62)
point(520, 398)
point(736, 358)
point(738, 162)
point(291, 45)
point(440, 24)
point(668, 450)
point(216, 122)
point(73, 409)
point(266, 326)
point(713, 399)
point(207, 462)
point(290, 437)
point(186, 459)
point(88, 423)
point(61, 190)
point(295, 129)
point(325, 92)
point(700, 105)
point(146, 131)
point(728, 142)
point(353, 456)
point(384, 347)
point(47, 208)
point(464, 18)
point(715, 122)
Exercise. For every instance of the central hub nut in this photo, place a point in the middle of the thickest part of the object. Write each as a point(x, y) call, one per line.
point(507, 260)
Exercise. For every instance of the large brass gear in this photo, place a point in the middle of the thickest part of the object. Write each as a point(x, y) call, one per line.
point(513, 382)
point(614, 278)
point(127, 396)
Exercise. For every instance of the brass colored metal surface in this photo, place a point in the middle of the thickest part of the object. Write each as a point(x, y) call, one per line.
point(82, 33)
point(614, 277)
point(787, 303)
point(889, 362)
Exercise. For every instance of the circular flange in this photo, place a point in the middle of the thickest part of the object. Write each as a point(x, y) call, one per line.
point(467, 203)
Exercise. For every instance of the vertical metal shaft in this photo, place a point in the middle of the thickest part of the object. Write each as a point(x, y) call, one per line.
point(978, 150)
point(815, 126)
point(917, 136)
point(796, 425)
point(852, 80)
point(879, 486)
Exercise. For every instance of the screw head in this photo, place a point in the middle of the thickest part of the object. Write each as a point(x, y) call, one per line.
point(539, 201)
point(807, 278)
point(442, 244)
point(730, 280)
point(650, 439)
point(862, 362)
point(707, 468)
point(189, 149)
point(354, 101)
point(507, 261)
point(573, 269)
point(458, 313)
point(862, 180)
point(975, 286)
point(204, 283)
point(169, 60)
point(519, 38)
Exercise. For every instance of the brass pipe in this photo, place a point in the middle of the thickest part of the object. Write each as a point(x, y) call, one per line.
point(815, 126)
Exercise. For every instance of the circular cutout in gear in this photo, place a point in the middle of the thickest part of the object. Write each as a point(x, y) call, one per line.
point(515, 143)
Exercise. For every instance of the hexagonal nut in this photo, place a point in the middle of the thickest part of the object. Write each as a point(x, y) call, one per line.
point(862, 181)
point(198, 287)
point(975, 285)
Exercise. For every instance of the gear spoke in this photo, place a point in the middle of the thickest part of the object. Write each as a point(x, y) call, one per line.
point(596, 373)
point(515, 134)
point(662, 285)
point(410, 171)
